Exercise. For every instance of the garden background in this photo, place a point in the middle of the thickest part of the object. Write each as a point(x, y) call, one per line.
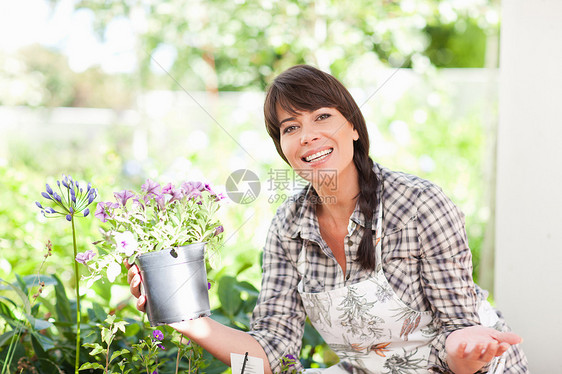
point(174, 90)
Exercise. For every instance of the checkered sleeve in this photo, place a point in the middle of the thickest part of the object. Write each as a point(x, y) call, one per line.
point(279, 316)
point(446, 269)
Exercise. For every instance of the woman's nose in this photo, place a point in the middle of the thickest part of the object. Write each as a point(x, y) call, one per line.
point(308, 134)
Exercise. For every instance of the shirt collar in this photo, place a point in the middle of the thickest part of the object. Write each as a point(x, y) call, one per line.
point(305, 221)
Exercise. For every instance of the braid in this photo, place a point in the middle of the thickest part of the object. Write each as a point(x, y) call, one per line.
point(367, 202)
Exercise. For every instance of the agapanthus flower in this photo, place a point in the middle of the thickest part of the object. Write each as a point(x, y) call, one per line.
point(71, 200)
point(126, 243)
point(83, 257)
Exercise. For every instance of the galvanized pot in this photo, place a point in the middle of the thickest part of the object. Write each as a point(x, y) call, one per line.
point(174, 281)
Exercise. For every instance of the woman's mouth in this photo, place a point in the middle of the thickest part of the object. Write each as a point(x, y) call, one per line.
point(318, 156)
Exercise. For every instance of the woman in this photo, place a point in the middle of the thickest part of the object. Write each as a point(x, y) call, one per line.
point(378, 260)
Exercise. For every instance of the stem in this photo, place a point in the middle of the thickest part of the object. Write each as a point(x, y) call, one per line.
point(178, 359)
point(107, 360)
point(77, 362)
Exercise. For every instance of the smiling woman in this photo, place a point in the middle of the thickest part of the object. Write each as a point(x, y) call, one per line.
point(382, 269)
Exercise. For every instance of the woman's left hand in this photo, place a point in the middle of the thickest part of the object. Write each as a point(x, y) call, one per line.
point(471, 348)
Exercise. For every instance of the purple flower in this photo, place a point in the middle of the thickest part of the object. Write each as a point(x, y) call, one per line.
point(123, 196)
point(49, 189)
point(192, 189)
point(46, 195)
point(219, 230)
point(57, 197)
point(68, 217)
point(158, 335)
point(160, 201)
point(171, 190)
point(86, 212)
point(50, 210)
point(151, 187)
point(85, 257)
point(208, 285)
point(101, 211)
point(38, 205)
point(290, 360)
point(161, 347)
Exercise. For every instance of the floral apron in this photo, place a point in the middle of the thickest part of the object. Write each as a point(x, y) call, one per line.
point(369, 327)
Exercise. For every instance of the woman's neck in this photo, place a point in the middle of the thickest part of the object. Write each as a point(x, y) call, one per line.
point(338, 199)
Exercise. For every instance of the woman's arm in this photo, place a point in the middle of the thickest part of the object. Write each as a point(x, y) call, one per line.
point(446, 273)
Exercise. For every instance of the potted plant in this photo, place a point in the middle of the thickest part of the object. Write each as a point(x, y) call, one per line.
point(170, 233)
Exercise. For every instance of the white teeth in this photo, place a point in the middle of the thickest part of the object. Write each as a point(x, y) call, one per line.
point(318, 155)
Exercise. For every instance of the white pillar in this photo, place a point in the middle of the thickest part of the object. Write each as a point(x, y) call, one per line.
point(529, 186)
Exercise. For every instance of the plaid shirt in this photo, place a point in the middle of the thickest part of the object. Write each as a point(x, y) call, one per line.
point(425, 256)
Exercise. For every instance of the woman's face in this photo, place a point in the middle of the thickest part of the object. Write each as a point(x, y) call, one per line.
point(317, 140)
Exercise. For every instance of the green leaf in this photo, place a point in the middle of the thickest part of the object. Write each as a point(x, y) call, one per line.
point(99, 312)
point(20, 293)
point(38, 347)
point(110, 319)
point(91, 365)
point(121, 325)
point(102, 289)
point(62, 305)
point(106, 336)
point(118, 353)
point(96, 349)
point(38, 324)
point(34, 280)
point(229, 296)
point(6, 337)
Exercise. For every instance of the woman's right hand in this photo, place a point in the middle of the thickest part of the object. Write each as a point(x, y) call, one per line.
point(134, 280)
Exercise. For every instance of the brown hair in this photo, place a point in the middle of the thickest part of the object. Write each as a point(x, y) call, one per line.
point(305, 88)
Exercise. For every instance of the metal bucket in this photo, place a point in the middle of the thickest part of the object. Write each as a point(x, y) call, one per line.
point(174, 281)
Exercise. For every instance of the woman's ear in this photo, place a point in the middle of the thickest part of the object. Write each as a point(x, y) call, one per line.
point(355, 135)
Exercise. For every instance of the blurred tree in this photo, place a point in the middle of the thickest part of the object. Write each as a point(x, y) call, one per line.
point(237, 45)
point(37, 76)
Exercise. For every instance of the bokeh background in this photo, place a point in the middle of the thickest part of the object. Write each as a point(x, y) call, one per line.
point(115, 92)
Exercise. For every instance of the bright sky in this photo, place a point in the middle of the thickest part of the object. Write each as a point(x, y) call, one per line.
point(24, 22)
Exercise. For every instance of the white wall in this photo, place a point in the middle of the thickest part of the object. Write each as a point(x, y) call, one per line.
point(529, 188)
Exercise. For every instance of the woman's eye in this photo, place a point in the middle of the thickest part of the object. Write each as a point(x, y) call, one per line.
point(323, 116)
point(289, 129)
